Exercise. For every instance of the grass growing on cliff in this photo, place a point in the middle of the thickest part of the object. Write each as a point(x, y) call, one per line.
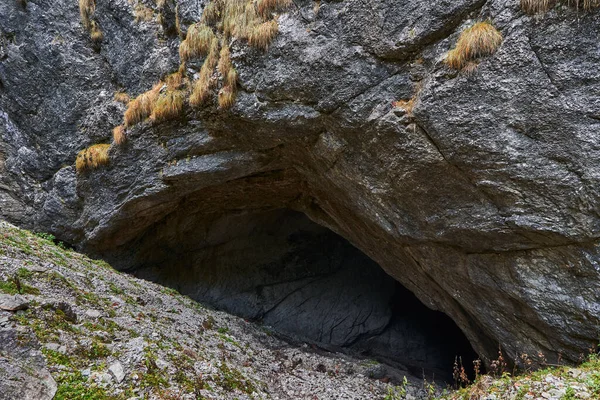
point(92, 157)
point(168, 105)
point(141, 108)
point(542, 6)
point(121, 97)
point(119, 134)
point(222, 21)
point(197, 42)
point(254, 22)
point(87, 8)
point(479, 40)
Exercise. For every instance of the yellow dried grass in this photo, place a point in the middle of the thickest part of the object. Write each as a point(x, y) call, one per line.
point(86, 11)
point(168, 106)
point(121, 97)
point(224, 61)
point(95, 33)
point(231, 78)
point(267, 7)
point(174, 81)
point(92, 157)
point(201, 87)
point(212, 12)
point(143, 13)
point(479, 40)
point(226, 97)
point(262, 35)
point(197, 42)
point(535, 6)
point(119, 136)
point(141, 108)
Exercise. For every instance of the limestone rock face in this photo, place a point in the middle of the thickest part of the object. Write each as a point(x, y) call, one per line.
point(483, 199)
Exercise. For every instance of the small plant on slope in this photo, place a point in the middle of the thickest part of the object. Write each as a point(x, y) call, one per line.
point(479, 40)
point(92, 157)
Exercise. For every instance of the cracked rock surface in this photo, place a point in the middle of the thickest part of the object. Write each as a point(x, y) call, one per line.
point(483, 200)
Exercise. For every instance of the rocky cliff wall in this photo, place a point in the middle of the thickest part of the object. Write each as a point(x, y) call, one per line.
point(477, 190)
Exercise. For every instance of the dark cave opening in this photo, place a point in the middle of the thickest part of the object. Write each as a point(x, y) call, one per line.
point(305, 282)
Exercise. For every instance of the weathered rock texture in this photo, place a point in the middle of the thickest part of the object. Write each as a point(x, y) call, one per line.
point(23, 373)
point(484, 201)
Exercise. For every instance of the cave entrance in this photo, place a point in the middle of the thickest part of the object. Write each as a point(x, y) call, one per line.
point(280, 269)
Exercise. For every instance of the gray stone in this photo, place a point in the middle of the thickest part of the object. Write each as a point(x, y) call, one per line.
point(52, 346)
point(13, 302)
point(24, 374)
point(117, 371)
point(375, 371)
point(94, 314)
point(106, 378)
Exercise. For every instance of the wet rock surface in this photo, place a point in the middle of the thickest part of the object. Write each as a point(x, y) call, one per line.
point(483, 200)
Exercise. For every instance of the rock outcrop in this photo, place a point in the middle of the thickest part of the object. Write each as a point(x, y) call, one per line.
point(481, 197)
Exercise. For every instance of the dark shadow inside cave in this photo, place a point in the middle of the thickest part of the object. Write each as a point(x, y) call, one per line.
point(307, 283)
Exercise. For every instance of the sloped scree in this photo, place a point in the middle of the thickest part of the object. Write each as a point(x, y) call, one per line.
point(135, 339)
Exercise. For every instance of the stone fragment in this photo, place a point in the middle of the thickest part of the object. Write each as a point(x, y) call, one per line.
point(13, 303)
point(93, 313)
point(117, 371)
point(23, 373)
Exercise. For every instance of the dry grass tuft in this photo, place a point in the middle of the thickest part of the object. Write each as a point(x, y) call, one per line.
point(267, 7)
point(160, 19)
point(143, 13)
point(535, 6)
point(262, 35)
point(86, 11)
point(178, 22)
point(121, 97)
point(231, 78)
point(87, 8)
point(95, 33)
point(92, 157)
point(211, 13)
point(227, 97)
point(224, 61)
point(480, 40)
point(202, 86)
point(184, 51)
point(168, 106)
point(141, 108)
point(174, 81)
point(119, 136)
point(201, 89)
point(197, 42)
point(406, 105)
